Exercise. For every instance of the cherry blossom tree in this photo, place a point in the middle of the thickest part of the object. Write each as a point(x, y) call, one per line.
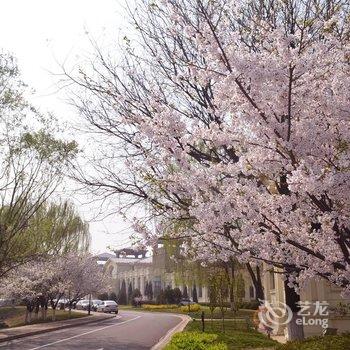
point(46, 281)
point(232, 125)
point(83, 276)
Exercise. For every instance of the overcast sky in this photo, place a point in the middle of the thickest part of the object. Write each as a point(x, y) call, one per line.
point(43, 34)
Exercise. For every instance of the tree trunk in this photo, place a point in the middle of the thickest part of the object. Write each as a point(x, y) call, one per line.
point(36, 310)
point(232, 294)
point(223, 320)
point(42, 310)
point(256, 279)
point(295, 329)
point(26, 317)
point(54, 314)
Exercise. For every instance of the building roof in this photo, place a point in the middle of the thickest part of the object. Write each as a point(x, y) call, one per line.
point(104, 256)
point(147, 260)
point(130, 252)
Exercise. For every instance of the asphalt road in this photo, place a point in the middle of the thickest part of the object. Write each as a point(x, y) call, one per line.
point(129, 330)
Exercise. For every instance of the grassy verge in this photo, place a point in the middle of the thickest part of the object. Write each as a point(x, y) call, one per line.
point(14, 316)
point(194, 314)
point(236, 336)
point(329, 342)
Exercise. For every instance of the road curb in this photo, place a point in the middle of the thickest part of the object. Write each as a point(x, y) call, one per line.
point(56, 328)
point(178, 328)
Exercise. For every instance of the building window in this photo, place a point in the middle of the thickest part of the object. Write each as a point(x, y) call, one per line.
point(272, 280)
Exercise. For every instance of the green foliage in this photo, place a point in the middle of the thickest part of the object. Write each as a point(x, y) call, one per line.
point(51, 229)
point(185, 293)
point(159, 307)
point(213, 294)
point(239, 287)
point(177, 295)
point(122, 297)
point(48, 147)
point(130, 293)
point(190, 308)
point(160, 298)
point(194, 294)
point(150, 291)
point(102, 296)
point(113, 296)
point(195, 341)
point(169, 295)
point(136, 294)
point(328, 342)
point(251, 305)
point(236, 336)
point(33, 164)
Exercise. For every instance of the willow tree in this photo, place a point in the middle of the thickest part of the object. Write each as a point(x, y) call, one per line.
point(33, 162)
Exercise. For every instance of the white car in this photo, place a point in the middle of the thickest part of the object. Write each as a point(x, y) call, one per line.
point(95, 304)
point(82, 305)
point(108, 306)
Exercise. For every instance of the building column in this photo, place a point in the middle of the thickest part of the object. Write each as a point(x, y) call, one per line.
point(142, 286)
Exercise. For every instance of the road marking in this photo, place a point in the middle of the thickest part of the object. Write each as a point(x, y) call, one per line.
point(82, 334)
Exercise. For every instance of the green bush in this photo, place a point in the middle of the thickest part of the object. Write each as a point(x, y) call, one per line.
point(112, 296)
point(102, 296)
point(135, 295)
point(195, 341)
point(328, 342)
point(160, 298)
point(158, 307)
point(169, 295)
point(192, 308)
point(251, 305)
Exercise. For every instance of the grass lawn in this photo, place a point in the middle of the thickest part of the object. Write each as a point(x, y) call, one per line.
point(197, 314)
point(235, 336)
point(14, 316)
point(329, 342)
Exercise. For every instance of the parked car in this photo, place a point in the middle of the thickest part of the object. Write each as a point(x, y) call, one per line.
point(62, 303)
point(186, 302)
point(95, 304)
point(7, 302)
point(108, 306)
point(82, 304)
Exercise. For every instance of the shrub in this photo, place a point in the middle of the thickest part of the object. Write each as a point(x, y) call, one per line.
point(193, 308)
point(136, 297)
point(122, 297)
point(185, 293)
point(251, 305)
point(113, 296)
point(160, 299)
point(158, 307)
point(331, 342)
point(195, 341)
point(177, 295)
point(194, 294)
point(169, 295)
point(130, 293)
point(148, 302)
point(103, 296)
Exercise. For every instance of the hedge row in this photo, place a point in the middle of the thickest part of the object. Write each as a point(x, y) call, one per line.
point(195, 341)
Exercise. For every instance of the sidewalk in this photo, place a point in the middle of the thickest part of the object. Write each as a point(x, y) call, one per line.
point(8, 334)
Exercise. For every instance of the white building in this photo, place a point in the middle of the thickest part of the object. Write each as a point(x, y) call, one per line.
point(135, 268)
